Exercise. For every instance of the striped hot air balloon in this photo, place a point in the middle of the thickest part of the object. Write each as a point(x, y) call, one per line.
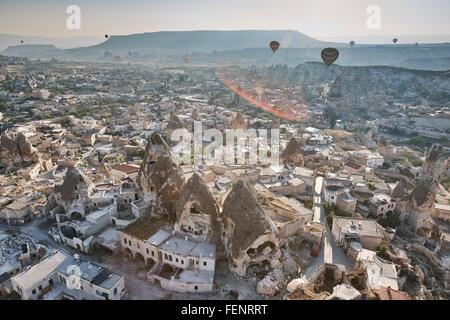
point(329, 55)
point(186, 59)
point(274, 45)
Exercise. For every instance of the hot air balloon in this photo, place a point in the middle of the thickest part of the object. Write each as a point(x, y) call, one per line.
point(329, 55)
point(186, 59)
point(395, 40)
point(21, 41)
point(352, 43)
point(274, 45)
point(106, 36)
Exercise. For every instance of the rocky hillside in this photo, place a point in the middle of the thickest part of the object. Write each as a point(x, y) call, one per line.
point(393, 82)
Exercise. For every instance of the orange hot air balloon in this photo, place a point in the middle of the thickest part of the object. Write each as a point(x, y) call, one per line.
point(395, 40)
point(352, 43)
point(274, 45)
point(329, 55)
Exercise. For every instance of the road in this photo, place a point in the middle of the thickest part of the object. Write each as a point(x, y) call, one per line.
point(329, 251)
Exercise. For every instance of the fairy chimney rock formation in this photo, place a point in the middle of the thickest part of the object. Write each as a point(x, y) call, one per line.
point(197, 212)
point(160, 176)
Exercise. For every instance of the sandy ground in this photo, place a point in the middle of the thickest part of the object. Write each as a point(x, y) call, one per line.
point(136, 284)
point(138, 288)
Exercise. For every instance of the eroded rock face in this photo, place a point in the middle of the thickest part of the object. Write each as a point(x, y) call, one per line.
point(16, 143)
point(250, 238)
point(197, 212)
point(292, 154)
point(195, 115)
point(433, 165)
point(421, 199)
point(238, 122)
point(248, 217)
point(432, 168)
point(75, 182)
point(160, 175)
point(173, 124)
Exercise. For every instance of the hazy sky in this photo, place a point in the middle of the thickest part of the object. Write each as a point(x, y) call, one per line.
point(318, 18)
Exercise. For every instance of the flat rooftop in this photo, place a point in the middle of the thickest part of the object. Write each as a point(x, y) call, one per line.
point(363, 227)
point(181, 246)
point(158, 238)
point(40, 270)
point(196, 276)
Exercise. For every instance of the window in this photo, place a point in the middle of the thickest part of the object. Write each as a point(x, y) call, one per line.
point(170, 257)
point(147, 251)
point(204, 263)
point(125, 240)
point(129, 242)
point(153, 253)
point(165, 256)
point(33, 291)
point(115, 291)
point(40, 288)
point(196, 288)
point(137, 244)
point(176, 260)
point(182, 261)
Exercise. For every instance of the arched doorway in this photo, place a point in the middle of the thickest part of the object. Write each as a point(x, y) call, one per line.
point(68, 232)
point(139, 258)
point(262, 247)
point(128, 253)
point(150, 263)
point(167, 271)
point(76, 216)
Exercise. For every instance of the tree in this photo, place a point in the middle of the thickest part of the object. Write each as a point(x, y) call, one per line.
point(383, 251)
point(329, 213)
point(419, 141)
point(3, 105)
point(330, 115)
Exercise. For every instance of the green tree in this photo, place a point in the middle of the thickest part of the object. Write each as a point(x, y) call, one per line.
point(331, 115)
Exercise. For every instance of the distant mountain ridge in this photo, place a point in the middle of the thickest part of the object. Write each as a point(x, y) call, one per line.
point(239, 47)
point(7, 40)
point(205, 41)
